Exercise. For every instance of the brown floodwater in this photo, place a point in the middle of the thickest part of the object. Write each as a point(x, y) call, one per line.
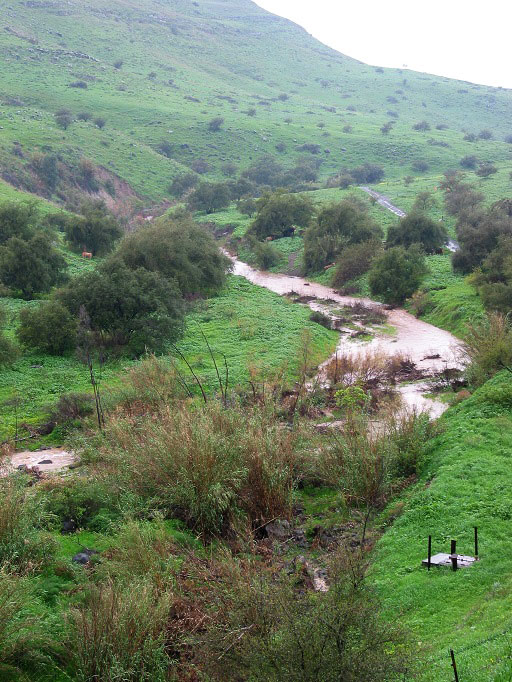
point(430, 348)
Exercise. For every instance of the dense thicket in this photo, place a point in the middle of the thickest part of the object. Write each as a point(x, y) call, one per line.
point(336, 227)
point(95, 230)
point(397, 274)
point(180, 250)
point(417, 228)
point(134, 308)
point(278, 214)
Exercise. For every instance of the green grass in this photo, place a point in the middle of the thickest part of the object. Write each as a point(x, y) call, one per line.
point(185, 64)
point(250, 325)
point(465, 481)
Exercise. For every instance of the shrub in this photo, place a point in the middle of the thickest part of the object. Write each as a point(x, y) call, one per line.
point(488, 347)
point(484, 170)
point(215, 124)
point(100, 122)
point(8, 351)
point(336, 227)
point(279, 212)
point(354, 261)
point(397, 274)
point(136, 309)
point(291, 635)
point(210, 466)
point(23, 547)
point(118, 64)
point(64, 118)
point(417, 228)
point(485, 135)
point(210, 197)
point(79, 84)
point(469, 161)
point(84, 116)
point(368, 172)
point(25, 641)
point(180, 250)
point(17, 220)
point(421, 126)
point(182, 183)
point(32, 266)
point(321, 318)
point(266, 255)
point(96, 230)
point(113, 637)
point(420, 166)
point(49, 328)
point(72, 406)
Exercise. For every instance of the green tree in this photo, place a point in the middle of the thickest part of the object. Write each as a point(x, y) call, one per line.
point(182, 183)
point(355, 260)
point(49, 328)
point(64, 118)
point(95, 230)
point(397, 274)
point(137, 309)
point(279, 212)
point(210, 197)
point(180, 250)
point(417, 228)
point(17, 220)
point(336, 227)
point(32, 266)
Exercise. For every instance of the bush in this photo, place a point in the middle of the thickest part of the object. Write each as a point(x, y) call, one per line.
point(32, 266)
point(355, 260)
point(210, 197)
point(421, 126)
point(49, 328)
point(484, 170)
point(417, 228)
point(8, 351)
point(182, 183)
point(488, 347)
point(84, 116)
point(17, 220)
point(279, 212)
point(180, 250)
point(397, 274)
point(469, 161)
point(215, 124)
point(136, 309)
point(96, 230)
point(368, 172)
point(212, 467)
point(266, 255)
point(291, 635)
point(114, 637)
point(420, 166)
point(23, 547)
point(320, 318)
point(337, 226)
point(72, 406)
point(64, 118)
point(25, 641)
point(100, 122)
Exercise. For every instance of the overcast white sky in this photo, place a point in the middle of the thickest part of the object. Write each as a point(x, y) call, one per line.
point(466, 39)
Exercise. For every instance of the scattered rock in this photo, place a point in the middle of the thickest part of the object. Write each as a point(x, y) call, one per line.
point(84, 557)
point(278, 530)
point(46, 461)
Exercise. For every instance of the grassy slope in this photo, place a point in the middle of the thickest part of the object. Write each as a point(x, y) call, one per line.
point(465, 481)
point(250, 325)
point(228, 55)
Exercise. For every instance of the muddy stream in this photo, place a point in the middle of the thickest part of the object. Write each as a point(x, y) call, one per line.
point(431, 349)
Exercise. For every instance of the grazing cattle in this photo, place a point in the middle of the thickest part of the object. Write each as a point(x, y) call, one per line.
point(86, 254)
point(327, 267)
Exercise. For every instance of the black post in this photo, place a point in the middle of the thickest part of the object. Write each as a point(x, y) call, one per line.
point(429, 552)
point(476, 542)
point(453, 554)
point(454, 666)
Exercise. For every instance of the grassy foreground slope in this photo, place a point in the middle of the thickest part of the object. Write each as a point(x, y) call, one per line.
point(160, 71)
point(466, 481)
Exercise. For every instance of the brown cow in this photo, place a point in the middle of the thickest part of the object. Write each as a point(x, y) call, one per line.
point(86, 254)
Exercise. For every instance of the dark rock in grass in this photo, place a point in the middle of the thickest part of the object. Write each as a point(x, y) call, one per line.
point(84, 557)
point(278, 530)
point(68, 526)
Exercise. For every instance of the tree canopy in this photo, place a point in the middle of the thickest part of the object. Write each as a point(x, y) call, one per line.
point(32, 266)
point(278, 212)
point(179, 250)
point(337, 226)
point(210, 197)
point(136, 308)
point(417, 228)
point(397, 274)
point(95, 230)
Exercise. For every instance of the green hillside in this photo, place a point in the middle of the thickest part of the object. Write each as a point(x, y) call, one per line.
point(158, 72)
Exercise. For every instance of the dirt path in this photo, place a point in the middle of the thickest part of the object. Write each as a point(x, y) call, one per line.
point(431, 349)
point(384, 201)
